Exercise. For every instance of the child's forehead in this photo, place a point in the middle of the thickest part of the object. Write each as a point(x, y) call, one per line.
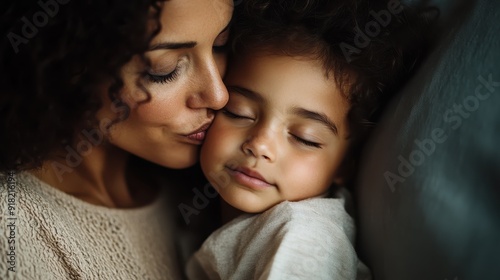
point(283, 81)
point(313, 56)
point(275, 58)
point(278, 69)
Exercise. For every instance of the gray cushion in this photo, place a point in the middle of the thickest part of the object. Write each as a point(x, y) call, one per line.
point(428, 196)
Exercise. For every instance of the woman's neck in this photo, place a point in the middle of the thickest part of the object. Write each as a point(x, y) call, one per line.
point(98, 177)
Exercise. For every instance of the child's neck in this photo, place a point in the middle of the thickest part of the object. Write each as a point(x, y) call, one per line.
point(228, 212)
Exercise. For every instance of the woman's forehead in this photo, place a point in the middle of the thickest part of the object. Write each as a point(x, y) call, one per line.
point(193, 20)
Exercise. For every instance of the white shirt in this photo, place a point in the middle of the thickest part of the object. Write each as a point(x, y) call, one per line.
point(309, 239)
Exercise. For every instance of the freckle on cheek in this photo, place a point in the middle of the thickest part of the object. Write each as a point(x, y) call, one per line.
point(155, 112)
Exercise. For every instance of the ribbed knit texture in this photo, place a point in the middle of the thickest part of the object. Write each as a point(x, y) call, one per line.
point(58, 236)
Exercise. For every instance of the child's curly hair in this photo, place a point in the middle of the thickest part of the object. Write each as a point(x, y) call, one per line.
point(367, 72)
point(54, 56)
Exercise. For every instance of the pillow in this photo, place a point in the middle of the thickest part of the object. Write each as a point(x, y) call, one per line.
point(428, 193)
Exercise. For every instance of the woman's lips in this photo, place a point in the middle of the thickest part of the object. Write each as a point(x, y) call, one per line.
point(249, 178)
point(198, 135)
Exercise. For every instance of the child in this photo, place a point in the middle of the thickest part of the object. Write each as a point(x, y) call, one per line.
point(287, 140)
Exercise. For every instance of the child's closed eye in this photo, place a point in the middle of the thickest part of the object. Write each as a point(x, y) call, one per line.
point(232, 115)
point(306, 142)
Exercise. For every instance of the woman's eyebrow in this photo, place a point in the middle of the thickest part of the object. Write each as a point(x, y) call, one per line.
point(316, 116)
point(172, 46)
point(181, 45)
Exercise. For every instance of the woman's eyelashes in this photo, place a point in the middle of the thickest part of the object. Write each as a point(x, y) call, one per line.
point(221, 49)
point(221, 42)
point(163, 79)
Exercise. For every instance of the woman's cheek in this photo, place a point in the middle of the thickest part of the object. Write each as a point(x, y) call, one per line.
point(159, 111)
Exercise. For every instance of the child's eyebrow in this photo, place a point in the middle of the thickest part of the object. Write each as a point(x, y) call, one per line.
point(316, 116)
point(301, 112)
point(246, 93)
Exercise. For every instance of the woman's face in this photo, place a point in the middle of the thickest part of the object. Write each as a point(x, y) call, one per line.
point(183, 78)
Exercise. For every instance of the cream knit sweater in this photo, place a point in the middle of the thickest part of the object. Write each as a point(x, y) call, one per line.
point(47, 234)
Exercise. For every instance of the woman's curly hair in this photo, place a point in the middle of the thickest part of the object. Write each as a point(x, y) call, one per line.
point(55, 56)
point(367, 73)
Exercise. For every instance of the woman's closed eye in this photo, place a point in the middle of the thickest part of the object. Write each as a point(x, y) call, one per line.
point(221, 42)
point(163, 79)
point(220, 49)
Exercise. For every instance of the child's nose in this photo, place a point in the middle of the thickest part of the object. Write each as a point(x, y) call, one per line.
point(261, 145)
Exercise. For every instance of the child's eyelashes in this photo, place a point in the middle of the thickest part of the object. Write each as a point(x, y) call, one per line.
point(296, 138)
point(306, 142)
point(162, 79)
point(232, 115)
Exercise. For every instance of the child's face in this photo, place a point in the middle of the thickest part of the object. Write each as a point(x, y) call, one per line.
point(282, 136)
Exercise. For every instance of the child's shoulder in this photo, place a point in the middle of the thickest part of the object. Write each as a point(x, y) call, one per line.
point(321, 212)
point(316, 215)
point(280, 240)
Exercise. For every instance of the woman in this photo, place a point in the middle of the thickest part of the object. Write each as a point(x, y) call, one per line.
point(84, 88)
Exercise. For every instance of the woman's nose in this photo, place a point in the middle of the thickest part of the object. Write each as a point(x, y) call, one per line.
point(211, 91)
point(261, 145)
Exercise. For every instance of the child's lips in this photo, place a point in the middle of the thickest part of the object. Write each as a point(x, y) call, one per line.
point(250, 178)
